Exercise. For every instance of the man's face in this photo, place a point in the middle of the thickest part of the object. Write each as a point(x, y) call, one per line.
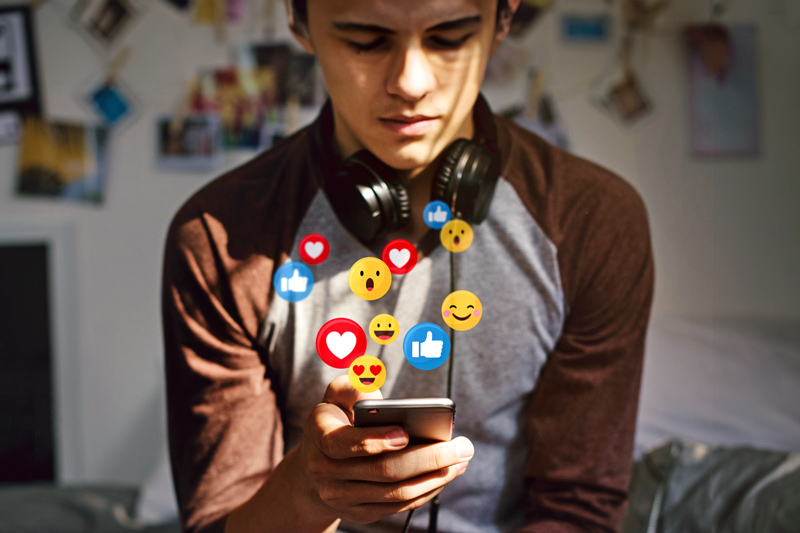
point(403, 76)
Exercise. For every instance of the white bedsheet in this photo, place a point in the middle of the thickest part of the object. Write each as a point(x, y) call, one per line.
point(726, 383)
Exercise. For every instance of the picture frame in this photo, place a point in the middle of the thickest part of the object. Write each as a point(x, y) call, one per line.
point(19, 78)
point(105, 22)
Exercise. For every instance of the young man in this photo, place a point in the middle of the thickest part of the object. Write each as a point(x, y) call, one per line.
point(546, 385)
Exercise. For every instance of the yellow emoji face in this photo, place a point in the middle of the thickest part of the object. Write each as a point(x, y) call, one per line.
point(456, 235)
point(370, 278)
point(462, 310)
point(384, 329)
point(367, 373)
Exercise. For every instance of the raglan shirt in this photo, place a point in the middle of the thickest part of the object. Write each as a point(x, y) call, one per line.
point(546, 385)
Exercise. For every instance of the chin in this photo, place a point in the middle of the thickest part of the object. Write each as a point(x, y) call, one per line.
point(409, 157)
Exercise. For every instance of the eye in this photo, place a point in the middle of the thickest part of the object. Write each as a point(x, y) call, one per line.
point(377, 325)
point(439, 42)
point(453, 307)
point(472, 306)
point(377, 273)
point(368, 46)
point(462, 232)
point(362, 272)
point(451, 232)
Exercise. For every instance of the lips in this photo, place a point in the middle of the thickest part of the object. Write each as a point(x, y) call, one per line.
point(461, 319)
point(384, 335)
point(370, 284)
point(456, 240)
point(409, 125)
point(367, 381)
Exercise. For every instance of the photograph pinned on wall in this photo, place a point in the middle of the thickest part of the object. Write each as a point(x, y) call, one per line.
point(108, 98)
point(623, 98)
point(585, 28)
point(723, 91)
point(19, 81)
point(105, 22)
point(62, 160)
point(190, 143)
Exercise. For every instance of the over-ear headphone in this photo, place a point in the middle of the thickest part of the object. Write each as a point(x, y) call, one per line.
point(370, 201)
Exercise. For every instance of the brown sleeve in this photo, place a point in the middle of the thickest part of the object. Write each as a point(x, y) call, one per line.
point(582, 415)
point(224, 426)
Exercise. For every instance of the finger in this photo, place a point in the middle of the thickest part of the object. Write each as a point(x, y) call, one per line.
point(330, 427)
point(370, 512)
point(402, 491)
point(429, 337)
point(406, 464)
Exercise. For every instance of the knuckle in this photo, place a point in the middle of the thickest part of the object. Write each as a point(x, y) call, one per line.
point(383, 470)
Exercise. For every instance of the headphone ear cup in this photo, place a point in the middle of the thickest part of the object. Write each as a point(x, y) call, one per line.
point(442, 182)
point(466, 180)
point(365, 198)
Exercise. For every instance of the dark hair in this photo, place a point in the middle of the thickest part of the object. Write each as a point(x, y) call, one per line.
point(300, 12)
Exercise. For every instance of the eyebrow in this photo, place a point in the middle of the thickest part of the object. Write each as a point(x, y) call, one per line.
point(442, 26)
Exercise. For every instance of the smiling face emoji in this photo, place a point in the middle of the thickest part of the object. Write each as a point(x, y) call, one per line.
point(370, 278)
point(456, 235)
point(462, 310)
point(367, 373)
point(384, 329)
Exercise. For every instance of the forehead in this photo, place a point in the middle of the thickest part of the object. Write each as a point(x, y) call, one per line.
point(401, 14)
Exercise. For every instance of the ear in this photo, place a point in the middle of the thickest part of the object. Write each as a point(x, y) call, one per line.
point(299, 31)
point(504, 24)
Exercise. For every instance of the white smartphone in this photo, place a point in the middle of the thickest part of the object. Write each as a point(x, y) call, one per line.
point(426, 420)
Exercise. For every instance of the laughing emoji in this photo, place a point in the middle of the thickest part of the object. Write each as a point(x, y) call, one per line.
point(383, 329)
point(456, 236)
point(367, 373)
point(461, 310)
point(370, 278)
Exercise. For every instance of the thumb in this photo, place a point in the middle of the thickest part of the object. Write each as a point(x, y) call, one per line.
point(438, 209)
point(430, 337)
point(342, 394)
point(296, 273)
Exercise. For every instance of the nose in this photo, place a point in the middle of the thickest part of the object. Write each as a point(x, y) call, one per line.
point(411, 76)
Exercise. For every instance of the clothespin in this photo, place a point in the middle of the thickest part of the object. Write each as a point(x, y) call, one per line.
point(179, 117)
point(536, 81)
point(221, 19)
point(116, 65)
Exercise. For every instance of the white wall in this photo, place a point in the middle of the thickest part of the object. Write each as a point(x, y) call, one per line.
point(726, 233)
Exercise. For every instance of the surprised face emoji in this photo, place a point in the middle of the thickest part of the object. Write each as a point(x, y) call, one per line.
point(456, 235)
point(370, 278)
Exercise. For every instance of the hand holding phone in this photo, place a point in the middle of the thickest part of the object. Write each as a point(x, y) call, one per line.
point(426, 420)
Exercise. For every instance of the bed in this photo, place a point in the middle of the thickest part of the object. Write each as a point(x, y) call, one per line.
point(717, 445)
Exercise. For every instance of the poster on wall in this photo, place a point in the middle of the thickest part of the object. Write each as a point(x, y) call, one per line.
point(189, 143)
point(19, 83)
point(62, 160)
point(723, 96)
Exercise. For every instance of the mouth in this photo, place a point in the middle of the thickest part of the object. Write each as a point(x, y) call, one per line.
point(370, 284)
point(384, 335)
point(456, 240)
point(461, 318)
point(366, 381)
point(409, 125)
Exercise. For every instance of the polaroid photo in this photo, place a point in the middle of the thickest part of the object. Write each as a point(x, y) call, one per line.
point(62, 160)
point(624, 98)
point(193, 143)
point(105, 21)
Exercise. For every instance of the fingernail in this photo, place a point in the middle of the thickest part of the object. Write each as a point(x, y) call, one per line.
point(396, 437)
point(462, 467)
point(464, 449)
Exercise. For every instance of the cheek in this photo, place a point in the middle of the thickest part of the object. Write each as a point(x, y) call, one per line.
point(446, 313)
point(476, 313)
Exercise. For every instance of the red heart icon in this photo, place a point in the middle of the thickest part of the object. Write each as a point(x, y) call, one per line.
point(358, 369)
point(375, 369)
